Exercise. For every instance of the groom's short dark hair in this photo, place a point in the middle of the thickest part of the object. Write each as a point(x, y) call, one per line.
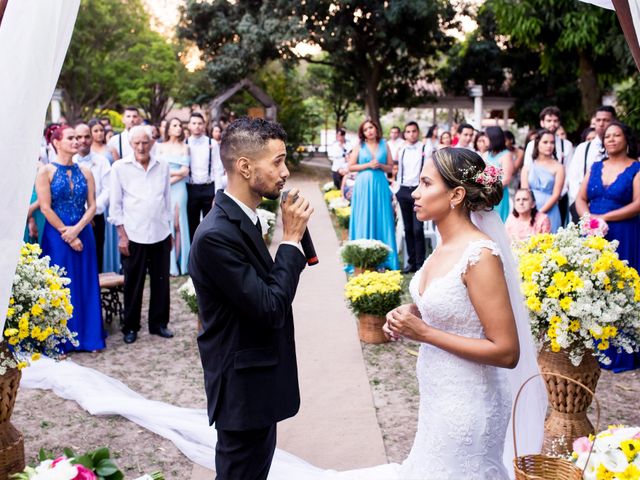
point(246, 136)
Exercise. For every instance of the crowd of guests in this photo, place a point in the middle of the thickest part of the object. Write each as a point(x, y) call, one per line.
point(128, 202)
point(547, 183)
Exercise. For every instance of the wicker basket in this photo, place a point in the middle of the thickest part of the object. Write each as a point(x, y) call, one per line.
point(568, 403)
point(543, 467)
point(11, 440)
point(370, 328)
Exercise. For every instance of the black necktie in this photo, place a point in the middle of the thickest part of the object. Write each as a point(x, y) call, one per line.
point(258, 226)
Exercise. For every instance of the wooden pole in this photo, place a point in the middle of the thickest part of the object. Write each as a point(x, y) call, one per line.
point(623, 11)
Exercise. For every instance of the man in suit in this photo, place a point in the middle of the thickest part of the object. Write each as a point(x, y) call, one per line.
point(247, 345)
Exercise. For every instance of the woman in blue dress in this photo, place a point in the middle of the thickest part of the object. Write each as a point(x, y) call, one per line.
point(500, 156)
point(371, 202)
point(111, 256)
point(611, 191)
point(175, 152)
point(545, 177)
point(63, 189)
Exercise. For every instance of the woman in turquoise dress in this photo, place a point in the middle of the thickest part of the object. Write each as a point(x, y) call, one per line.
point(371, 203)
point(611, 191)
point(500, 156)
point(111, 256)
point(64, 188)
point(35, 218)
point(175, 152)
point(545, 177)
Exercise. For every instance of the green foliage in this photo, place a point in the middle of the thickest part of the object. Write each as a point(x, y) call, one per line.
point(98, 461)
point(270, 205)
point(629, 101)
point(337, 92)
point(367, 257)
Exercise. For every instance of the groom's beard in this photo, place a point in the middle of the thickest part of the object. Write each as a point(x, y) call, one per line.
point(272, 192)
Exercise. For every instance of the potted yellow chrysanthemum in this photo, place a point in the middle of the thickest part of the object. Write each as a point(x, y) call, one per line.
point(36, 323)
point(582, 299)
point(371, 295)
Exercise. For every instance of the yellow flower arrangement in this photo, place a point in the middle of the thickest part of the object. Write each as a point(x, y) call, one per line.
point(40, 306)
point(375, 293)
point(581, 297)
point(332, 195)
point(343, 215)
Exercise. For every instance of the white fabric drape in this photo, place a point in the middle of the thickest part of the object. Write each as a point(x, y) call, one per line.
point(34, 36)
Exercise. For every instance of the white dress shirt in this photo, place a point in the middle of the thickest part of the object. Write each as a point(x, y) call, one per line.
point(337, 153)
point(410, 162)
point(140, 199)
point(202, 172)
point(100, 169)
point(115, 142)
point(581, 163)
point(395, 146)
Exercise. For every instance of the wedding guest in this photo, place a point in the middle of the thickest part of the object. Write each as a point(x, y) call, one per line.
point(431, 140)
point(176, 153)
point(120, 142)
point(588, 134)
point(545, 178)
point(525, 219)
point(140, 202)
point(98, 142)
point(465, 136)
point(371, 206)
point(337, 153)
point(410, 162)
point(561, 132)
point(395, 142)
point(445, 139)
point(481, 144)
point(47, 152)
point(35, 218)
point(216, 133)
point(64, 189)
point(100, 169)
point(206, 172)
point(586, 154)
point(611, 191)
point(108, 134)
point(499, 156)
point(517, 153)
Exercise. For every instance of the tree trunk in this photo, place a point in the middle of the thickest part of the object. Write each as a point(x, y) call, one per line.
point(371, 101)
point(590, 92)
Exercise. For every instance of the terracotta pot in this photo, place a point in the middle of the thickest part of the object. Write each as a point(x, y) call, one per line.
point(568, 402)
point(370, 328)
point(344, 234)
point(11, 440)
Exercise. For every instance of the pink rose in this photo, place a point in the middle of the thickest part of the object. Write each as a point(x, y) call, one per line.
point(594, 223)
point(57, 460)
point(581, 445)
point(84, 473)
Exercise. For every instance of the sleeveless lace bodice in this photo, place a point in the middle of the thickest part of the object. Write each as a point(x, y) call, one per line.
point(464, 406)
point(68, 193)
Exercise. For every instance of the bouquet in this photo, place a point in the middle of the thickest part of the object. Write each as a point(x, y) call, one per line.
point(615, 455)
point(366, 254)
point(332, 195)
point(39, 309)
point(343, 215)
point(593, 226)
point(267, 221)
point(328, 186)
point(96, 465)
point(581, 297)
point(338, 203)
point(374, 293)
point(188, 293)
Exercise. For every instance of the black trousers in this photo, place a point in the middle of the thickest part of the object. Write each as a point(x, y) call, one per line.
point(337, 179)
point(98, 233)
point(143, 258)
point(245, 455)
point(563, 206)
point(199, 201)
point(413, 229)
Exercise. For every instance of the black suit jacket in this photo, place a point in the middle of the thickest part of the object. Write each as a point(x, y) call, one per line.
point(247, 347)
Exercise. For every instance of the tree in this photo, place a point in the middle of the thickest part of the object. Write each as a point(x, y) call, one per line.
point(386, 48)
point(337, 91)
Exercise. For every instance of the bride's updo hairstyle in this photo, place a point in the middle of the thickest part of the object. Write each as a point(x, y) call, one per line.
point(461, 167)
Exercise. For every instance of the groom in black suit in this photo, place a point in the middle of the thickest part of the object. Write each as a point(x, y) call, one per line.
point(247, 347)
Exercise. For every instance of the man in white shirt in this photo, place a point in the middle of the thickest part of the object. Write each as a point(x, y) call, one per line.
point(550, 120)
point(410, 162)
point(120, 142)
point(206, 172)
point(140, 208)
point(337, 153)
point(100, 169)
point(395, 142)
point(586, 154)
point(465, 136)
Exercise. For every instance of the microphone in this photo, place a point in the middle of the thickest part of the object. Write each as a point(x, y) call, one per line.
point(305, 242)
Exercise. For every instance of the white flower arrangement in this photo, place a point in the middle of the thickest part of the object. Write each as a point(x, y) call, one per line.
point(328, 186)
point(338, 203)
point(581, 297)
point(267, 221)
point(615, 455)
point(188, 293)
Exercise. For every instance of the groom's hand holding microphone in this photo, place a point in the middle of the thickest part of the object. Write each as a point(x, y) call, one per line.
point(296, 212)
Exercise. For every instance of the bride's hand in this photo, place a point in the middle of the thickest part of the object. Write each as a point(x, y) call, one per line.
point(403, 322)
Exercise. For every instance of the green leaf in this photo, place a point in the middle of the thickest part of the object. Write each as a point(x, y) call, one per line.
point(68, 452)
point(99, 455)
point(116, 476)
point(106, 467)
point(84, 460)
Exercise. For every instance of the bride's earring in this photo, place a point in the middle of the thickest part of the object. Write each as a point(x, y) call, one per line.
point(452, 206)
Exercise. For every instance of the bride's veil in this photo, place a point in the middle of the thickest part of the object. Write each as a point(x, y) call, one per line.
point(532, 405)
